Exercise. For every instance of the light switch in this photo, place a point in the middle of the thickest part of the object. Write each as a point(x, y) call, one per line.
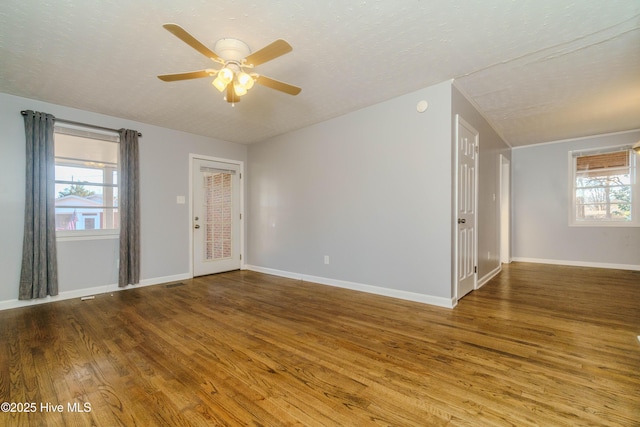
point(180, 200)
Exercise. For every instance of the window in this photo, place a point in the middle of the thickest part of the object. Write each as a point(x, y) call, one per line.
point(86, 183)
point(604, 189)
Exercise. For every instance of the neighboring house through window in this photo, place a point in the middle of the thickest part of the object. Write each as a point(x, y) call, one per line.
point(86, 184)
point(604, 187)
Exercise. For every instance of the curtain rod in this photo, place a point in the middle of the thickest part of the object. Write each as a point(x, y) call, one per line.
point(70, 122)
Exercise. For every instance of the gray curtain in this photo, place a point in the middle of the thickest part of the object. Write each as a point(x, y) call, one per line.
point(39, 274)
point(129, 207)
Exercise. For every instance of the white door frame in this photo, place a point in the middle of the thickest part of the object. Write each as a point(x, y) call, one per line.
point(240, 165)
point(460, 121)
point(505, 209)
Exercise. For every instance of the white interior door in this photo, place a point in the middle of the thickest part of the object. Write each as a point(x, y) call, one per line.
point(216, 217)
point(466, 206)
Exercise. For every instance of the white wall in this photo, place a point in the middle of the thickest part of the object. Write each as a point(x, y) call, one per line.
point(88, 265)
point(371, 189)
point(541, 230)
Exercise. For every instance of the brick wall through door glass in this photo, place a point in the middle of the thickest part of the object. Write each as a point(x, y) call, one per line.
point(218, 216)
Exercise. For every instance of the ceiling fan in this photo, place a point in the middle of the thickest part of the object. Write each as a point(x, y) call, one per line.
point(236, 76)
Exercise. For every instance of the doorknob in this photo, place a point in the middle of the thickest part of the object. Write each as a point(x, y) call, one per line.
point(196, 226)
point(461, 221)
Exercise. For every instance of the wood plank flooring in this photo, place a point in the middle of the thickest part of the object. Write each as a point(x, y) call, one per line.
point(539, 345)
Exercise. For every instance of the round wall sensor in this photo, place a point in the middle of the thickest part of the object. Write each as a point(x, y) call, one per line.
point(422, 106)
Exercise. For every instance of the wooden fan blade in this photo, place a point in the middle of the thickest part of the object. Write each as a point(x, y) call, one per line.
point(267, 53)
point(185, 76)
point(182, 34)
point(231, 94)
point(278, 85)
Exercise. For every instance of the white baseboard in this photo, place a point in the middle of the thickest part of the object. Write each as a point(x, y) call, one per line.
point(274, 272)
point(579, 263)
point(97, 290)
point(484, 279)
point(393, 293)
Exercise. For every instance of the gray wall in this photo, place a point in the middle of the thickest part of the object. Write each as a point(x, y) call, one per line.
point(371, 189)
point(491, 147)
point(540, 214)
point(164, 165)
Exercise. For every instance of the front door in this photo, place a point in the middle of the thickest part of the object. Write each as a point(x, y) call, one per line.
point(466, 188)
point(216, 217)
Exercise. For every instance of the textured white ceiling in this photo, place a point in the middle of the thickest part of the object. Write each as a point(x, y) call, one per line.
point(539, 70)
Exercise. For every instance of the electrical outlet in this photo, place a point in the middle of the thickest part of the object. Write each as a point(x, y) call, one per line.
point(489, 255)
point(326, 259)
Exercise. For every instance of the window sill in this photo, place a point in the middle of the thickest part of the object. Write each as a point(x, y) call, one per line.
point(72, 236)
point(604, 224)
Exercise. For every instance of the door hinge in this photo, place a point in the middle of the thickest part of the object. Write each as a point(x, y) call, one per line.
point(240, 257)
point(475, 269)
point(240, 176)
point(240, 216)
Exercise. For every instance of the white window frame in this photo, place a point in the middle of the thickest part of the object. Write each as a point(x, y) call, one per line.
point(95, 234)
point(635, 188)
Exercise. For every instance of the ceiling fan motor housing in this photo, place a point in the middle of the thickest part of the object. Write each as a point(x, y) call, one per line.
point(232, 50)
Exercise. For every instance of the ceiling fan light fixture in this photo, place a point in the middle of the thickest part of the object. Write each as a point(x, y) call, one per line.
point(245, 80)
point(219, 84)
point(226, 75)
point(239, 89)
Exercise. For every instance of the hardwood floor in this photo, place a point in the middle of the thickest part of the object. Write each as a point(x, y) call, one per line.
point(538, 345)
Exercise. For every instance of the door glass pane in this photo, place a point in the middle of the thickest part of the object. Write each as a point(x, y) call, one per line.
point(218, 214)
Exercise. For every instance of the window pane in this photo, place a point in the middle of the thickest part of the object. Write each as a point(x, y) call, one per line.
point(85, 195)
point(86, 149)
point(603, 187)
point(86, 192)
point(615, 177)
point(86, 218)
point(78, 174)
point(602, 212)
